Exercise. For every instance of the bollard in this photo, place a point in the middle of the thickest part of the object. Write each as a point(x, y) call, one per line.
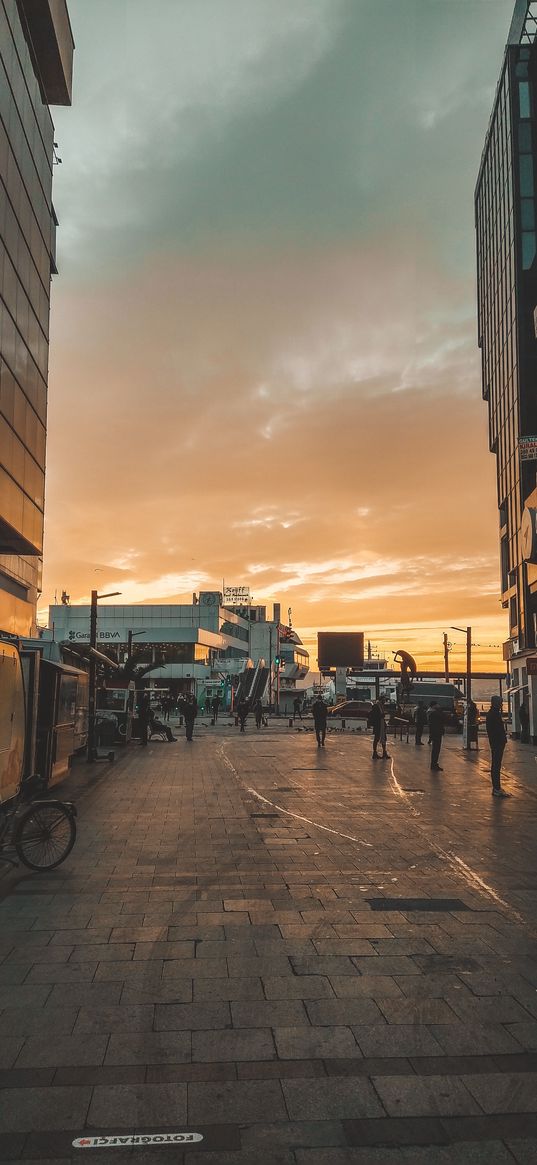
point(343, 724)
point(290, 721)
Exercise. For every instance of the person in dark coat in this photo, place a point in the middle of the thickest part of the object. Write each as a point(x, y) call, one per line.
point(190, 711)
point(524, 717)
point(297, 707)
point(436, 732)
point(215, 707)
point(420, 721)
point(497, 740)
point(243, 708)
point(144, 716)
point(258, 712)
point(156, 725)
point(319, 712)
point(377, 721)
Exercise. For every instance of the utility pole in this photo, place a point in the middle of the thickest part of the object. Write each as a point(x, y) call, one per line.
point(446, 657)
point(93, 669)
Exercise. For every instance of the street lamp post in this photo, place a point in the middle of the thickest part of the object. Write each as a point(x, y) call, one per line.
point(93, 669)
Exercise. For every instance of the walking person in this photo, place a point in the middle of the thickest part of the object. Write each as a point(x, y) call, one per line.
point(258, 712)
point(215, 707)
point(243, 708)
point(436, 732)
point(190, 711)
point(297, 708)
point(497, 740)
point(524, 717)
point(420, 721)
point(144, 716)
point(377, 721)
point(319, 712)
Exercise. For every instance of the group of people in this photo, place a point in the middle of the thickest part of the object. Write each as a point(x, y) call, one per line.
point(149, 722)
point(433, 717)
point(243, 709)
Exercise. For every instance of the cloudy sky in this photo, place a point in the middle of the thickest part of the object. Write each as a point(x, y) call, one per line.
point(263, 362)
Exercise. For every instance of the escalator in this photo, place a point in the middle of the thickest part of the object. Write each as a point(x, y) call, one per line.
point(253, 685)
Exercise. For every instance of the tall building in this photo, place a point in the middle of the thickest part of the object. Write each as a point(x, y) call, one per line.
point(505, 215)
point(36, 56)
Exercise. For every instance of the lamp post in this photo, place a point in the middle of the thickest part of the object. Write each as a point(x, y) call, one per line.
point(93, 669)
point(468, 632)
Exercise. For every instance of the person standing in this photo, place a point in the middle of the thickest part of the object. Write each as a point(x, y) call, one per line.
point(258, 711)
point(524, 717)
point(243, 709)
point(436, 732)
point(215, 707)
point(377, 721)
point(420, 721)
point(190, 711)
point(497, 740)
point(297, 709)
point(319, 712)
point(144, 717)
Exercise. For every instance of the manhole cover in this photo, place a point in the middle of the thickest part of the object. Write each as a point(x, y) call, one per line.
point(438, 904)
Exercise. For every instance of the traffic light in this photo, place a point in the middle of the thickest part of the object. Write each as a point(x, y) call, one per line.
point(278, 661)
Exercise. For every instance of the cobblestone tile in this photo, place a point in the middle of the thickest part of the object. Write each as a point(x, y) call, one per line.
point(504, 1093)
point(25, 1109)
point(109, 1019)
point(301, 1043)
point(135, 1106)
point(396, 1040)
point(62, 1051)
point(152, 1048)
point(331, 1099)
point(227, 989)
point(269, 1013)
point(424, 1095)
point(298, 987)
point(461, 1040)
point(243, 1100)
point(344, 1011)
point(235, 1044)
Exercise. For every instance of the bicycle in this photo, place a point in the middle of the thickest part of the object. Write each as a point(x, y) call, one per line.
point(42, 832)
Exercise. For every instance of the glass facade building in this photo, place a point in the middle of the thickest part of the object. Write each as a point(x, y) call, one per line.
point(505, 217)
point(36, 51)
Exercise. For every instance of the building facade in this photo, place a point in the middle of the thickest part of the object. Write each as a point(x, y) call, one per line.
point(195, 647)
point(36, 54)
point(505, 217)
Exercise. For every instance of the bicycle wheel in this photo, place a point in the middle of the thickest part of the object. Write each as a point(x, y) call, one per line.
point(45, 836)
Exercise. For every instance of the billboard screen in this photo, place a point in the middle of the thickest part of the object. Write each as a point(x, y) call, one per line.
point(340, 649)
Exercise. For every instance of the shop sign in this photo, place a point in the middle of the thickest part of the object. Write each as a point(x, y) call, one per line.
point(102, 636)
point(235, 595)
point(527, 447)
point(531, 665)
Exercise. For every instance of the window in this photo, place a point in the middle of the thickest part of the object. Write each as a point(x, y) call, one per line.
point(524, 99)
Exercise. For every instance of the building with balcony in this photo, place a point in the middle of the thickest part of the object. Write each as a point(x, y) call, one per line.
point(36, 55)
point(505, 218)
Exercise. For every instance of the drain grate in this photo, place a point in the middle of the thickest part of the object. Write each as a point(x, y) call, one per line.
point(285, 789)
point(438, 904)
point(256, 815)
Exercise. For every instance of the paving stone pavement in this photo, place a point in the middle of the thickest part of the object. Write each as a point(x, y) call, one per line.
point(214, 957)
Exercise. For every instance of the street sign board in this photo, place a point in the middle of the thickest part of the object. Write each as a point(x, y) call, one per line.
point(531, 665)
point(527, 447)
point(340, 649)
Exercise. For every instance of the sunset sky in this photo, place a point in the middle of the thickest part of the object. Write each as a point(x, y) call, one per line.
point(263, 340)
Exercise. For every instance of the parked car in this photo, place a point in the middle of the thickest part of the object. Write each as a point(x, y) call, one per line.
point(351, 709)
